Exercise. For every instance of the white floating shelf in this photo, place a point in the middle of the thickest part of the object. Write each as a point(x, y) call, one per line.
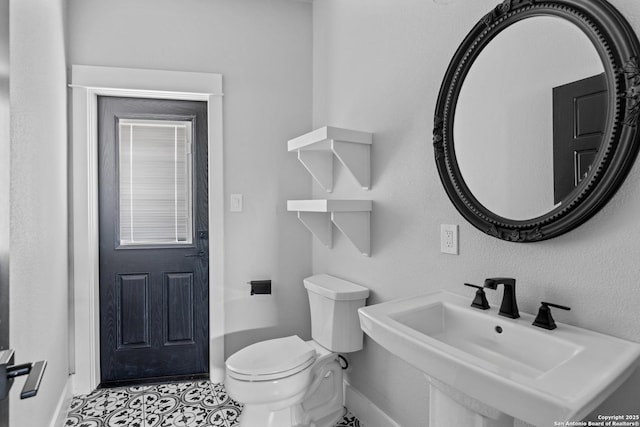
point(351, 217)
point(329, 205)
point(316, 151)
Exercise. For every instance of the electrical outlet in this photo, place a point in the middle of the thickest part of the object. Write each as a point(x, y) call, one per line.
point(449, 239)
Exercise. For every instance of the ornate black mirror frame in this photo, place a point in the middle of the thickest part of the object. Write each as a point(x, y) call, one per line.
point(618, 48)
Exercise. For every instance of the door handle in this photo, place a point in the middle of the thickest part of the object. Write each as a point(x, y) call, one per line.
point(8, 372)
point(201, 254)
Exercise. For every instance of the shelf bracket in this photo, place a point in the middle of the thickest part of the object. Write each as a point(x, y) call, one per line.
point(352, 148)
point(320, 165)
point(319, 224)
point(356, 158)
point(356, 226)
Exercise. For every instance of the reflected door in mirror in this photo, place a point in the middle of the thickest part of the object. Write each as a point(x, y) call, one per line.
point(579, 120)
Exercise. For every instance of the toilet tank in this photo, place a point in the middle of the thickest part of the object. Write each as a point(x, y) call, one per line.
point(334, 307)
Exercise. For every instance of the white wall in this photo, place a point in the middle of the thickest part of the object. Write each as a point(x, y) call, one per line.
point(378, 66)
point(263, 51)
point(38, 265)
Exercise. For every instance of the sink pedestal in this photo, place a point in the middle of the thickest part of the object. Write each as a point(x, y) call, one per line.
point(451, 407)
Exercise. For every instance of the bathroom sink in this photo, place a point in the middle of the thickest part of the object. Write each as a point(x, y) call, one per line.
point(529, 373)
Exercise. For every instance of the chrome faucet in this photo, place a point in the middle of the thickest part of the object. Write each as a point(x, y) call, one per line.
point(509, 306)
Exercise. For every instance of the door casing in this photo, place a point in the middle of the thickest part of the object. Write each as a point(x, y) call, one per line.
point(87, 83)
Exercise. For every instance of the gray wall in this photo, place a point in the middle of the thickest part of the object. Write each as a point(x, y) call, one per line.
point(378, 66)
point(263, 51)
point(4, 171)
point(38, 265)
point(4, 188)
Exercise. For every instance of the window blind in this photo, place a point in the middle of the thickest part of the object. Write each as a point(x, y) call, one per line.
point(155, 182)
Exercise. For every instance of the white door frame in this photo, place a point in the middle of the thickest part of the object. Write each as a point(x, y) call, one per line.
point(87, 83)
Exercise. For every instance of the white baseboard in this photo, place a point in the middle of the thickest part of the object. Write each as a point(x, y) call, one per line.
point(365, 410)
point(63, 405)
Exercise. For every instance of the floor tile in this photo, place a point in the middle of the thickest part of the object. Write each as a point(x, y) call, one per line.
point(349, 420)
point(178, 404)
point(182, 404)
point(105, 408)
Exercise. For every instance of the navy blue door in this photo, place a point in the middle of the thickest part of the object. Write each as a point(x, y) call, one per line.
point(153, 239)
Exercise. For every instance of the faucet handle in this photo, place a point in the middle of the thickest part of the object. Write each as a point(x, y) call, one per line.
point(544, 318)
point(480, 301)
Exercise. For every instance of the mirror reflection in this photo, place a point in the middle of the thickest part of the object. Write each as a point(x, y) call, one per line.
point(530, 117)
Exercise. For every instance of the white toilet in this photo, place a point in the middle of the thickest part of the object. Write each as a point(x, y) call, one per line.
point(288, 382)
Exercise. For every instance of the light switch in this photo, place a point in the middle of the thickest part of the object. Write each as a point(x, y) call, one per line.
point(236, 203)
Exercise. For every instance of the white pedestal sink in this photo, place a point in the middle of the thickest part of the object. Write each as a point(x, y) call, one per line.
point(485, 369)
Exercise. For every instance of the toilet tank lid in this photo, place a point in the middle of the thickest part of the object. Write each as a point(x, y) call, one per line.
point(334, 288)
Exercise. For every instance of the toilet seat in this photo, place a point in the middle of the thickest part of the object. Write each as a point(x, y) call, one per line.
point(271, 359)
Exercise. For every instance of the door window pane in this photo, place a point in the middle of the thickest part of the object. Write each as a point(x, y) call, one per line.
point(155, 182)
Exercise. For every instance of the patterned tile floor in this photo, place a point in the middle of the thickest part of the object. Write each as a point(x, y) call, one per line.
point(183, 404)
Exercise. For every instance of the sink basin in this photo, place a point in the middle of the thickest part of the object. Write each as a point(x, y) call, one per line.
point(533, 374)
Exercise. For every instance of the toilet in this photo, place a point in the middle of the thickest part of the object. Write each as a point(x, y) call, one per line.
point(287, 382)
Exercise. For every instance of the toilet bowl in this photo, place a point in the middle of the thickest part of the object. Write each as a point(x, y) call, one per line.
point(287, 382)
point(297, 383)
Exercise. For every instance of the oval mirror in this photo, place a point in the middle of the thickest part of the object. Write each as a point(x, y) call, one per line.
point(536, 122)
